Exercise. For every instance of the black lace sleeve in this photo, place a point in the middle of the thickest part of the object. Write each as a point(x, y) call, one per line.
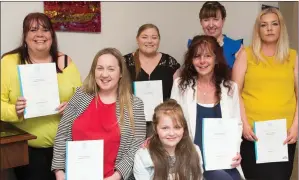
point(171, 62)
point(129, 60)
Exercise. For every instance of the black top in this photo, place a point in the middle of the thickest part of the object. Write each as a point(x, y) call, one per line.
point(204, 112)
point(163, 71)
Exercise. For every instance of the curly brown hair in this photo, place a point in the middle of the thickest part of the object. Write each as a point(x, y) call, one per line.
point(222, 72)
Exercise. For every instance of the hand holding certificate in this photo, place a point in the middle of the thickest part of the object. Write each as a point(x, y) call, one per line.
point(151, 94)
point(220, 142)
point(84, 160)
point(39, 86)
point(271, 135)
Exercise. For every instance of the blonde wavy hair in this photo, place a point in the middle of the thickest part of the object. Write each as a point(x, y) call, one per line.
point(124, 91)
point(282, 46)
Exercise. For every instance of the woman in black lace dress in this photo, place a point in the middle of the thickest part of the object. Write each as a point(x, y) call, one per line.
point(146, 63)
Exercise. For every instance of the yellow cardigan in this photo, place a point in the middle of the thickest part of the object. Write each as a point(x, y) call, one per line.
point(45, 127)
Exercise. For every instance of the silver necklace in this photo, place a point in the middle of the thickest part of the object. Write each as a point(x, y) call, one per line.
point(204, 93)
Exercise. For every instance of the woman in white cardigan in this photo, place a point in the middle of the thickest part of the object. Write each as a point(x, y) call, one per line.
point(204, 90)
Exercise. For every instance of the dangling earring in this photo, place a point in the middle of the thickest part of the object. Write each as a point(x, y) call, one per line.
point(25, 45)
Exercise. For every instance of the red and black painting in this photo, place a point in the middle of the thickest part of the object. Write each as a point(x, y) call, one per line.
point(74, 16)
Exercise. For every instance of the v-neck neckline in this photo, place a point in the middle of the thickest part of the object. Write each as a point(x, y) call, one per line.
point(154, 68)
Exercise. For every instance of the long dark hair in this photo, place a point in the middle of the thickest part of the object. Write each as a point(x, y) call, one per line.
point(187, 163)
point(222, 72)
point(44, 21)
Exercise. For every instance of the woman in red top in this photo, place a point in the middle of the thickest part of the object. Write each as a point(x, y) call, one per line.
point(104, 108)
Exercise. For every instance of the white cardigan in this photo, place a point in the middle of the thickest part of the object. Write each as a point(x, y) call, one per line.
point(143, 168)
point(229, 103)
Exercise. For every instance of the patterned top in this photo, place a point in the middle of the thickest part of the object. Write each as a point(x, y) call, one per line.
point(144, 166)
point(171, 161)
point(164, 71)
point(129, 141)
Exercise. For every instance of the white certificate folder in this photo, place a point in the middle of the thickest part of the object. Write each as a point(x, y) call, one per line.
point(220, 142)
point(151, 93)
point(271, 134)
point(84, 160)
point(39, 86)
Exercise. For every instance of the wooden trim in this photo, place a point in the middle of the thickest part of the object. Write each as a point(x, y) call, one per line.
point(13, 146)
point(20, 135)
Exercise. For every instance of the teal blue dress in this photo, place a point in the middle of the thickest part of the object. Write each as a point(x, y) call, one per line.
point(230, 48)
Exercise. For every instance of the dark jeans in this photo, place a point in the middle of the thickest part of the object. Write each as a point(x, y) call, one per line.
point(39, 167)
point(226, 174)
point(264, 171)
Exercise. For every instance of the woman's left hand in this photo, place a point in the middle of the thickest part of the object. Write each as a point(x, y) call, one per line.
point(61, 107)
point(236, 160)
point(292, 135)
point(116, 176)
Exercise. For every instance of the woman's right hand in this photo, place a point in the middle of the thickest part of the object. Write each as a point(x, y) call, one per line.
point(20, 106)
point(248, 133)
point(59, 174)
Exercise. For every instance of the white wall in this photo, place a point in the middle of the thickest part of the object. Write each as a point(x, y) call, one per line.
point(177, 21)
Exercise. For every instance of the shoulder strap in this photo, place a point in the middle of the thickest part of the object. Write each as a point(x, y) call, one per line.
point(65, 61)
